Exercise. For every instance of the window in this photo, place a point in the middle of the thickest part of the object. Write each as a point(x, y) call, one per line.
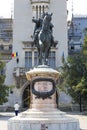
point(51, 59)
point(39, 11)
point(43, 9)
point(10, 47)
point(36, 11)
point(1, 47)
point(72, 47)
point(35, 58)
point(28, 59)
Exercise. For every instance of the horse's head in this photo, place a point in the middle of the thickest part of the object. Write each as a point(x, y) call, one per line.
point(47, 17)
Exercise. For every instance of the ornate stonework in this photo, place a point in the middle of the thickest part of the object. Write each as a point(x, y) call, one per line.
point(42, 71)
point(39, 6)
point(40, 1)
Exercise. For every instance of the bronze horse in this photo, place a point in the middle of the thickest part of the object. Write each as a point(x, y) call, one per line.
point(44, 39)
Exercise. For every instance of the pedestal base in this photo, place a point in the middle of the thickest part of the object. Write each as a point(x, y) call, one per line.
point(40, 120)
point(44, 114)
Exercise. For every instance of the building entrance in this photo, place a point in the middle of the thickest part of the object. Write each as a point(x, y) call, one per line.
point(26, 97)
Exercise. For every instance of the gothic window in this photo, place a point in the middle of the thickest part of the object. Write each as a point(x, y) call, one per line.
point(39, 11)
point(43, 9)
point(36, 11)
point(28, 59)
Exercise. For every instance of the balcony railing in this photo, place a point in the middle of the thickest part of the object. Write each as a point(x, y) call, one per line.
point(4, 51)
point(20, 71)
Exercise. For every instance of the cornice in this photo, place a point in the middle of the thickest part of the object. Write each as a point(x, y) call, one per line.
point(39, 1)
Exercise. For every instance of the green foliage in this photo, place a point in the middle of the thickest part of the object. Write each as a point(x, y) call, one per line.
point(74, 75)
point(3, 88)
point(3, 93)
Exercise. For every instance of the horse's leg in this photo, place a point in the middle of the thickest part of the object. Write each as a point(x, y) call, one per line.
point(40, 52)
point(47, 50)
point(39, 57)
point(39, 62)
point(46, 56)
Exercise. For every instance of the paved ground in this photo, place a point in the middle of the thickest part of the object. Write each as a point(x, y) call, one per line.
point(4, 119)
point(81, 116)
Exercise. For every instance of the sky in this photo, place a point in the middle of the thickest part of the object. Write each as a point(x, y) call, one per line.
point(6, 7)
point(79, 7)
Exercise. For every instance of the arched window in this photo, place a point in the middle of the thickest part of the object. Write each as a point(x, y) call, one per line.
point(36, 11)
point(43, 9)
point(39, 11)
point(10, 47)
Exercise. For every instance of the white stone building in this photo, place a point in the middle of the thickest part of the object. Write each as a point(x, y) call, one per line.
point(24, 11)
point(76, 33)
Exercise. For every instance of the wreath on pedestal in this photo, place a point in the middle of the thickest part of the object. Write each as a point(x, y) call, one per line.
point(43, 95)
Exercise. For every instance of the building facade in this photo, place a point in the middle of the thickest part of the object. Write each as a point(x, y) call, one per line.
point(24, 11)
point(6, 39)
point(76, 33)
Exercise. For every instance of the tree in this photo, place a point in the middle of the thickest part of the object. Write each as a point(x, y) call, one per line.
point(74, 76)
point(3, 88)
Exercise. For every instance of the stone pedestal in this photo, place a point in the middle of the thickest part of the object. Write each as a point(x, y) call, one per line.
point(43, 113)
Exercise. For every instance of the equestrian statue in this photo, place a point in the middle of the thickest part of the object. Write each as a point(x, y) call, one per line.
point(43, 37)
